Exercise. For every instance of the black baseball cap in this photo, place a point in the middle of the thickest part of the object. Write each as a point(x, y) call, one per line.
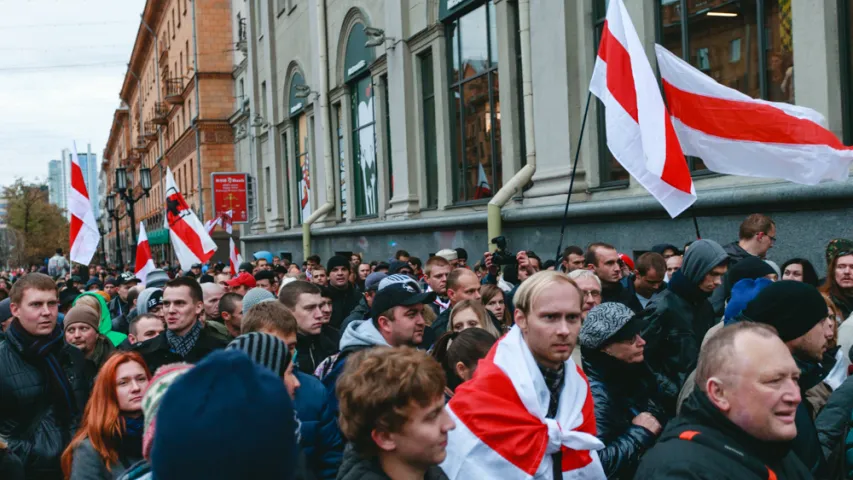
point(401, 294)
point(127, 277)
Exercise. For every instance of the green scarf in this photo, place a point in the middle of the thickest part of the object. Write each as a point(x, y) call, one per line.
point(105, 327)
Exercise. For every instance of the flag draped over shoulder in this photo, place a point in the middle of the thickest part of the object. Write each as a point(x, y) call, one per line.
point(190, 240)
point(501, 430)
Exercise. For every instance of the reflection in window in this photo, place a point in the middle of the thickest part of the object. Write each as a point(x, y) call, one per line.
point(302, 169)
point(475, 104)
point(342, 159)
point(364, 148)
point(611, 171)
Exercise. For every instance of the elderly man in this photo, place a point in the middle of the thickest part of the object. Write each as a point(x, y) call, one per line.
point(740, 422)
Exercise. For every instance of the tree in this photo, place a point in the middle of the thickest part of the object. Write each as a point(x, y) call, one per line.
point(39, 227)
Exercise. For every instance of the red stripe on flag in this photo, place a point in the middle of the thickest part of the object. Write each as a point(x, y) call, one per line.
point(190, 238)
point(77, 182)
point(745, 121)
point(76, 225)
point(675, 170)
point(620, 76)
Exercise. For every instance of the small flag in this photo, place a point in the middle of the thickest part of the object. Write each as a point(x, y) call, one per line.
point(144, 261)
point(483, 190)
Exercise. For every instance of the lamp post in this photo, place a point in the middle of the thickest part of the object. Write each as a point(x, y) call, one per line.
point(125, 190)
point(111, 209)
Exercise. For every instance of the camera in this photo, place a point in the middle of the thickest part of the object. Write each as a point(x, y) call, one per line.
point(502, 256)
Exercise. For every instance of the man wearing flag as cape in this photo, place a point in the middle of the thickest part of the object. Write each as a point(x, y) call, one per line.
point(528, 412)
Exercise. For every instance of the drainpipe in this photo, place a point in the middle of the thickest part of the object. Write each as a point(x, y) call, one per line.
point(325, 120)
point(198, 120)
point(523, 176)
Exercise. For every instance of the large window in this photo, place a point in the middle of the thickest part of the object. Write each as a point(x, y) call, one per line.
point(845, 43)
point(743, 44)
point(430, 147)
point(610, 170)
point(302, 168)
point(364, 147)
point(475, 104)
point(342, 159)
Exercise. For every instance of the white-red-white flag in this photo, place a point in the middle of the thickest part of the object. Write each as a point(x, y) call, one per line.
point(83, 232)
point(739, 135)
point(235, 258)
point(639, 130)
point(224, 220)
point(192, 244)
point(483, 190)
point(144, 260)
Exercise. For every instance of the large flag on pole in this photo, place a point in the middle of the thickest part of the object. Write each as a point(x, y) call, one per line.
point(189, 239)
point(639, 131)
point(144, 260)
point(738, 135)
point(83, 233)
point(235, 258)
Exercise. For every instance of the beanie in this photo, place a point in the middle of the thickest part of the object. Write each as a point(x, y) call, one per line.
point(264, 349)
point(255, 296)
point(163, 378)
point(448, 254)
point(337, 261)
point(749, 267)
point(743, 292)
point(226, 400)
point(602, 323)
point(81, 314)
point(148, 299)
point(793, 308)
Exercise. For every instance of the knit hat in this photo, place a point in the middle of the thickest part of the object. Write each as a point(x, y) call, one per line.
point(163, 378)
point(448, 254)
point(337, 261)
point(838, 247)
point(81, 314)
point(5, 309)
point(793, 308)
point(397, 265)
point(255, 296)
point(264, 349)
point(743, 292)
point(94, 281)
point(244, 267)
point(245, 279)
point(226, 400)
point(750, 267)
point(461, 253)
point(156, 278)
point(111, 281)
point(148, 299)
point(603, 323)
point(372, 281)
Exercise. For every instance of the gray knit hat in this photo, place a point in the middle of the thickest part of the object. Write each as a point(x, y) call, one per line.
point(263, 349)
point(602, 323)
point(148, 299)
point(156, 278)
point(255, 296)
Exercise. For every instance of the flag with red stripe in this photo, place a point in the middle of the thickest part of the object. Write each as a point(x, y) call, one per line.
point(144, 260)
point(84, 234)
point(640, 134)
point(191, 242)
point(234, 258)
point(501, 425)
point(739, 135)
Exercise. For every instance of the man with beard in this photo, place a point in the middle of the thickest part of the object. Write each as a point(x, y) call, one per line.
point(839, 276)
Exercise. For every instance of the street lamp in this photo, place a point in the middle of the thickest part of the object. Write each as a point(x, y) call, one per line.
point(125, 190)
point(111, 209)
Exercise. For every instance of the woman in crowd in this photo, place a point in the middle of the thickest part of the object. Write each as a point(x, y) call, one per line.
point(458, 354)
point(469, 314)
point(81, 330)
point(628, 419)
point(493, 299)
point(800, 270)
point(110, 437)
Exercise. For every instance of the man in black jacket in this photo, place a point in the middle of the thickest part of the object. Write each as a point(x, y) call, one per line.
point(644, 284)
point(44, 384)
point(681, 317)
point(186, 338)
point(119, 305)
point(603, 260)
point(345, 296)
point(740, 422)
point(313, 345)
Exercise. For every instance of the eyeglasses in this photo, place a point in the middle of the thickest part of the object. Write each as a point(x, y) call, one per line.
point(592, 293)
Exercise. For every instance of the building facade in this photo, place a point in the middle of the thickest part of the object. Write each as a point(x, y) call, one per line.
point(56, 183)
point(394, 123)
point(176, 99)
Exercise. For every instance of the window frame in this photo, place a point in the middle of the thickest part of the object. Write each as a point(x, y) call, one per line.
point(354, 128)
point(845, 50)
point(426, 67)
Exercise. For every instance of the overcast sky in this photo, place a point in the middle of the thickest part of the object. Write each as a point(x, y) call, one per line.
point(62, 63)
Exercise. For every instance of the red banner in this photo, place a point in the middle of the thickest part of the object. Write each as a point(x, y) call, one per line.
point(230, 193)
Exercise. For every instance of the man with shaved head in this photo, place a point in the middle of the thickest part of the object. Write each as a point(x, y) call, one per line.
point(212, 293)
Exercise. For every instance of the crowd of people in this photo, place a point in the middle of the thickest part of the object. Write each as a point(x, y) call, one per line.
point(699, 361)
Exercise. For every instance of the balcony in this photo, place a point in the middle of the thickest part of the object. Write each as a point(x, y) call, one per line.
point(141, 145)
point(175, 91)
point(161, 113)
point(150, 131)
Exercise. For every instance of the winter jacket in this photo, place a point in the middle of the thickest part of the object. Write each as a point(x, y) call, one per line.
point(806, 444)
point(118, 307)
point(11, 467)
point(735, 253)
point(344, 301)
point(87, 464)
point(360, 312)
point(356, 467)
point(121, 324)
point(441, 323)
point(360, 334)
point(105, 327)
point(833, 426)
point(313, 349)
point(720, 451)
point(321, 439)
point(28, 420)
point(678, 320)
point(627, 295)
point(157, 351)
point(621, 392)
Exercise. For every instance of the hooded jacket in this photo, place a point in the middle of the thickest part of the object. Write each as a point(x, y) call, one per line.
point(360, 312)
point(344, 300)
point(356, 467)
point(736, 253)
point(678, 320)
point(105, 327)
point(321, 439)
point(720, 451)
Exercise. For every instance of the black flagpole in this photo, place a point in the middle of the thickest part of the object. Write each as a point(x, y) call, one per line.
point(572, 181)
point(695, 224)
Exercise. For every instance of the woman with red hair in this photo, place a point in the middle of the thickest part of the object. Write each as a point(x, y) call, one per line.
point(110, 436)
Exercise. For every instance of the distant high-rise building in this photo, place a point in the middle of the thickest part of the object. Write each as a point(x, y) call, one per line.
point(89, 166)
point(56, 183)
point(4, 205)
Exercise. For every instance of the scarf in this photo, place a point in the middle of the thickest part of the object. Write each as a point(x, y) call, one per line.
point(502, 429)
point(685, 289)
point(43, 353)
point(183, 345)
